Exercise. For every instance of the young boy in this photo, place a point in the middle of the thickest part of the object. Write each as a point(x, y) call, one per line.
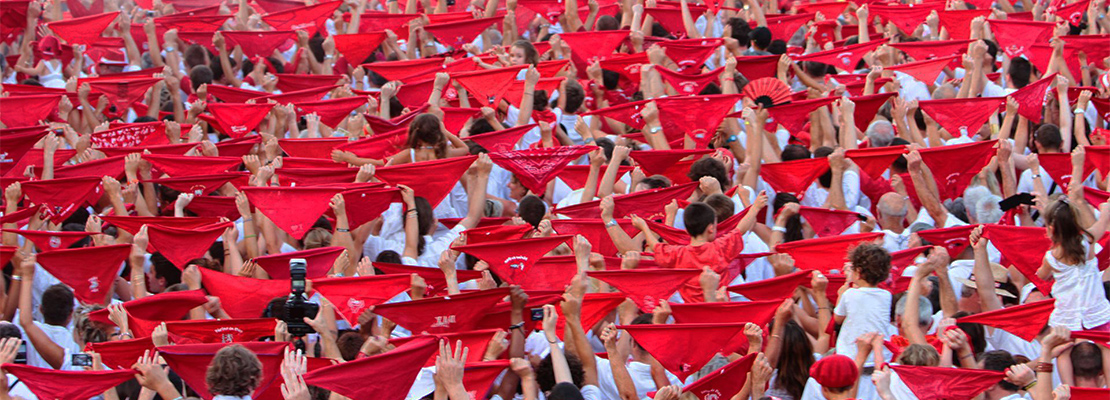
point(705, 248)
point(863, 307)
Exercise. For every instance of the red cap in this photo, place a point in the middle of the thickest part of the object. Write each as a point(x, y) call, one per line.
point(1015, 37)
point(358, 47)
point(828, 222)
point(1024, 321)
point(293, 209)
point(835, 371)
point(121, 354)
point(536, 167)
point(89, 271)
point(455, 313)
point(458, 33)
point(50, 240)
point(958, 22)
point(844, 58)
point(243, 297)
point(954, 239)
point(237, 120)
point(307, 18)
point(940, 383)
point(793, 176)
point(62, 196)
point(352, 296)
point(85, 30)
point(202, 184)
point(398, 365)
point(504, 140)
point(648, 203)
point(433, 186)
point(53, 384)
point(1031, 98)
point(332, 111)
point(587, 47)
point(696, 116)
point(646, 287)
point(488, 86)
point(437, 284)
point(683, 348)
point(512, 258)
point(954, 166)
point(191, 362)
point(826, 253)
point(179, 246)
point(295, 82)
point(258, 43)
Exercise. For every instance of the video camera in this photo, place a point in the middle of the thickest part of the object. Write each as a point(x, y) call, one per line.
point(297, 307)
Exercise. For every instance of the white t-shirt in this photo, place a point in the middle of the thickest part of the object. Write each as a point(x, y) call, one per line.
point(865, 310)
point(61, 336)
point(641, 378)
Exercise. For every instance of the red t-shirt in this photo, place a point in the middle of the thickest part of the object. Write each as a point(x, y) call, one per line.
point(716, 254)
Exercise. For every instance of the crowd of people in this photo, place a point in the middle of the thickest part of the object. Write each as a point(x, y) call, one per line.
point(555, 199)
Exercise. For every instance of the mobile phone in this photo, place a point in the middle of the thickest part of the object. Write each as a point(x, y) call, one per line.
point(537, 314)
point(1016, 200)
point(82, 360)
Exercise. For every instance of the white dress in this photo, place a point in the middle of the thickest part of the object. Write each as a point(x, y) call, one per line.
point(1080, 298)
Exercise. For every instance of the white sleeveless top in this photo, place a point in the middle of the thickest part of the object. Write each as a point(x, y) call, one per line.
point(1080, 298)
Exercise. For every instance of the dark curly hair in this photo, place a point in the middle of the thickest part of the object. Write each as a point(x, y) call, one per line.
point(871, 262)
point(234, 371)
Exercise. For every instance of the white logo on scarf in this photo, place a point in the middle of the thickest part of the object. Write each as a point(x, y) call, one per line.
point(443, 321)
point(94, 285)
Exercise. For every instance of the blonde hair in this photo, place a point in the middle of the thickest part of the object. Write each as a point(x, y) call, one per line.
point(317, 238)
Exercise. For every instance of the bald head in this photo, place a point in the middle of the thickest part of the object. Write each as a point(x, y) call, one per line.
point(892, 205)
point(945, 91)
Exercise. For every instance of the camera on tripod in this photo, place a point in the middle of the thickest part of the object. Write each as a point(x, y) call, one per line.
point(297, 307)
